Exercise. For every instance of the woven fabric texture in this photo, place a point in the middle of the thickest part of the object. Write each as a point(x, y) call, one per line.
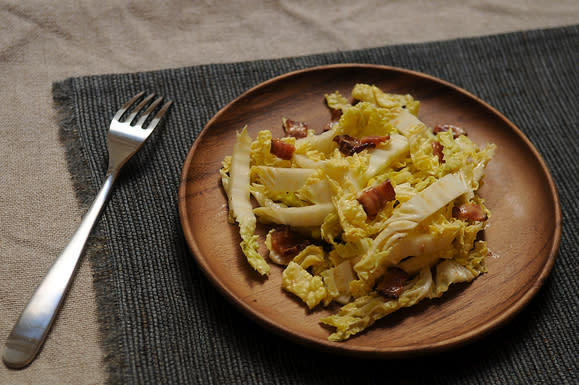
point(161, 319)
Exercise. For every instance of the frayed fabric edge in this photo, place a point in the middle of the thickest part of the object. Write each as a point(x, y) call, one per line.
point(96, 249)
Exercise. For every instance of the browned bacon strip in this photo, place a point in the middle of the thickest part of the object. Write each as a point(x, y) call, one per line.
point(470, 212)
point(437, 150)
point(456, 131)
point(287, 244)
point(349, 145)
point(294, 128)
point(391, 285)
point(375, 198)
point(282, 149)
point(334, 119)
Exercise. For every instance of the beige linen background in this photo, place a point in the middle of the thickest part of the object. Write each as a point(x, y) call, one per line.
point(45, 41)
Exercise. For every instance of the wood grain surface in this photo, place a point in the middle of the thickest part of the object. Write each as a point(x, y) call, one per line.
point(523, 233)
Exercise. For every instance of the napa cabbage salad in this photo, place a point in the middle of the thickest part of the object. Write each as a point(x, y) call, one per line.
point(376, 213)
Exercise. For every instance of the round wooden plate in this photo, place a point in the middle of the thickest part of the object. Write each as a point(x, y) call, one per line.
point(524, 231)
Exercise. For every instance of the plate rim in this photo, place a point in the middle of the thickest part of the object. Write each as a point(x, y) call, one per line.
point(341, 348)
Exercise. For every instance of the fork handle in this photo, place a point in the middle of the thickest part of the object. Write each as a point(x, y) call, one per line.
point(32, 327)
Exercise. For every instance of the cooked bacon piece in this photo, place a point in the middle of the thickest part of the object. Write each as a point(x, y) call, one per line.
point(470, 212)
point(335, 118)
point(391, 285)
point(282, 149)
point(456, 131)
point(376, 140)
point(437, 150)
point(287, 244)
point(375, 198)
point(295, 129)
point(349, 145)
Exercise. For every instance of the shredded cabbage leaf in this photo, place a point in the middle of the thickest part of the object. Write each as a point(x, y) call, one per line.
point(240, 208)
point(324, 195)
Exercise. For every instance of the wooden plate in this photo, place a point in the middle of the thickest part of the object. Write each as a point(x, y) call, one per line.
point(524, 230)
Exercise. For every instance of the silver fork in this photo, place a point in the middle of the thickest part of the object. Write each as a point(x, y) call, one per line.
point(124, 140)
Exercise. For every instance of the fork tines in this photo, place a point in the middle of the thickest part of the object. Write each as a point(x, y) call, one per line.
point(145, 115)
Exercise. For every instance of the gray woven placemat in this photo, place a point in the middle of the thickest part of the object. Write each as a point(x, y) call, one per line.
point(163, 322)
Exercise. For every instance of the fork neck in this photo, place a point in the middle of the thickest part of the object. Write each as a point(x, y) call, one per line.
point(113, 171)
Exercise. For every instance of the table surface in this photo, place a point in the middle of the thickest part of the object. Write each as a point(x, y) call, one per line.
point(43, 42)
